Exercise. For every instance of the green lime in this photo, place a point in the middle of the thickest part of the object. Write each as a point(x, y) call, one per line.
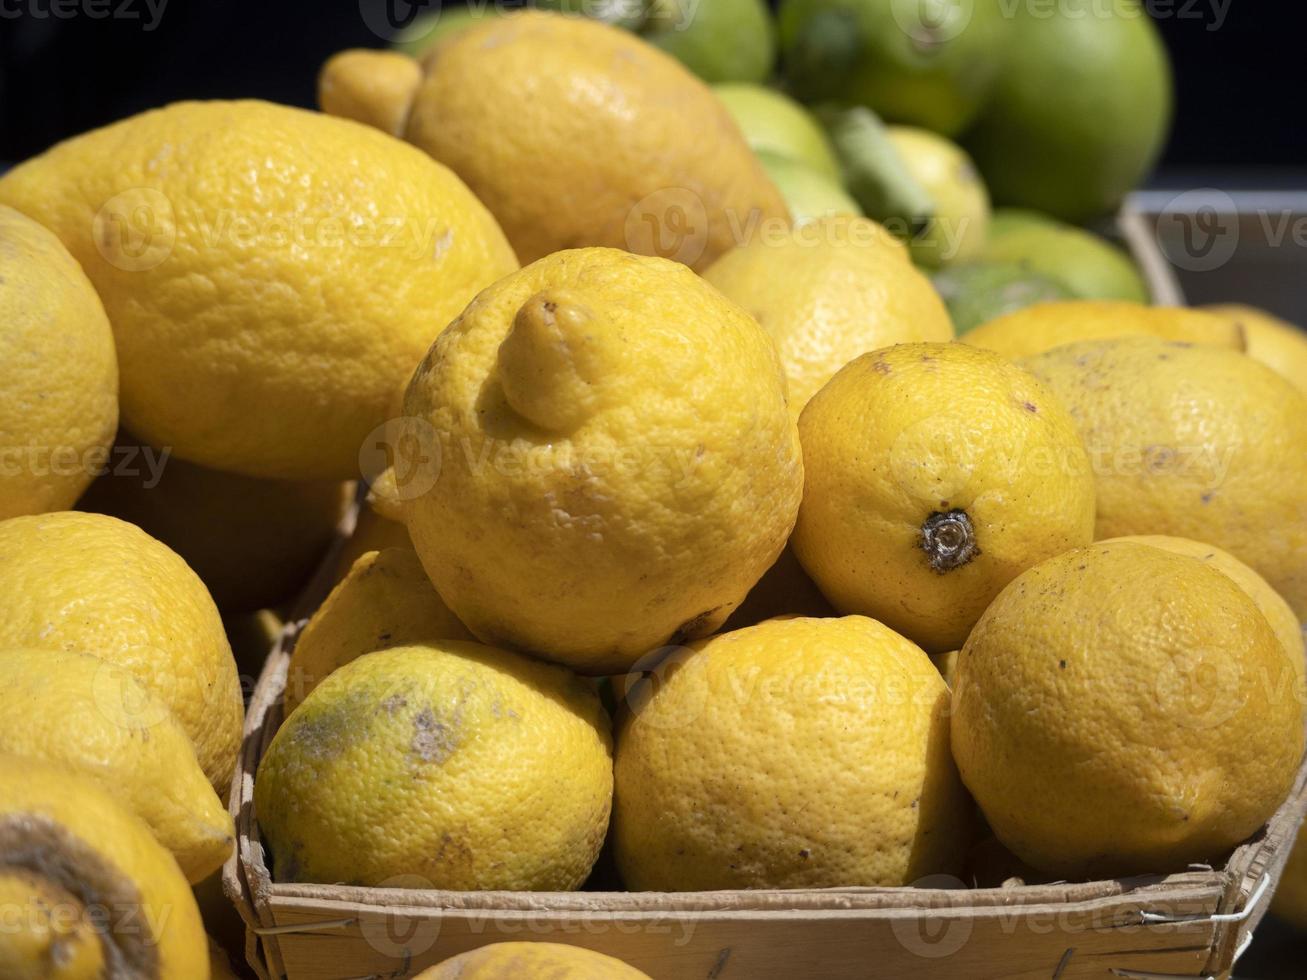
point(927, 63)
point(774, 122)
point(808, 192)
point(1087, 265)
point(718, 40)
point(1004, 220)
point(1080, 111)
point(959, 221)
point(979, 292)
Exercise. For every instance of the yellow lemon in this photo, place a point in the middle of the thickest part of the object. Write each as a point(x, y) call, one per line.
point(91, 892)
point(1194, 442)
point(1119, 709)
point(575, 133)
point(59, 392)
point(78, 712)
point(89, 583)
point(617, 462)
point(798, 753)
point(253, 542)
point(450, 765)
point(272, 275)
point(1272, 341)
point(1042, 327)
point(518, 961)
point(372, 87)
point(829, 291)
point(1270, 602)
point(384, 601)
point(935, 474)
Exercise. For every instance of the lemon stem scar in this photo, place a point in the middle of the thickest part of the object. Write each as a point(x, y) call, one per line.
point(552, 361)
point(948, 540)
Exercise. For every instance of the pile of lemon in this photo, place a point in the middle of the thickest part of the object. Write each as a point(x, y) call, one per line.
point(697, 534)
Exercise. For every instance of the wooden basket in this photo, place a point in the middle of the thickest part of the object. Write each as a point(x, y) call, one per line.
point(1193, 924)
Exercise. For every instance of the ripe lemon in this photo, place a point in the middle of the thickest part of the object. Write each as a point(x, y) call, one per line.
point(798, 753)
point(253, 542)
point(618, 465)
point(451, 765)
point(1120, 709)
point(935, 474)
point(1193, 442)
point(1272, 341)
point(513, 961)
point(59, 393)
point(93, 584)
point(384, 601)
point(1270, 602)
point(575, 133)
point(371, 87)
point(89, 891)
point(272, 275)
point(829, 292)
point(78, 712)
point(1042, 327)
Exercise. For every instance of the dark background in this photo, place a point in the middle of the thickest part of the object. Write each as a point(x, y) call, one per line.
point(1239, 78)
